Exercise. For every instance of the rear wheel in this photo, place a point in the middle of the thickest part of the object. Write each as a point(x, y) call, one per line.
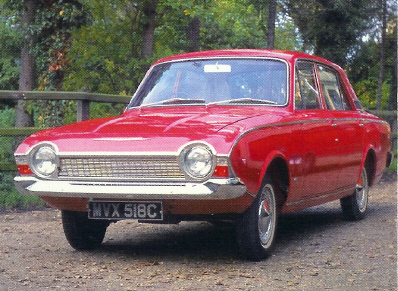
point(355, 205)
point(256, 228)
point(83, 233)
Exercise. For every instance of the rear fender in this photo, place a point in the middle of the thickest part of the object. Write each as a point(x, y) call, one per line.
point(368, 161)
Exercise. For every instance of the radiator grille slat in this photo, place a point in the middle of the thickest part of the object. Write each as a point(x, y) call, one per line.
point(120, 168)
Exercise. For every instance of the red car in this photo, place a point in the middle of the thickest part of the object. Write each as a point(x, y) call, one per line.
point(240, 135)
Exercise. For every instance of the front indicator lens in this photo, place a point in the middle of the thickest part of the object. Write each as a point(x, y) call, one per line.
point(44, 162)
point(24, 170)
point(221, 172)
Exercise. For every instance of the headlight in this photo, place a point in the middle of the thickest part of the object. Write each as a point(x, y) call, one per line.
point(197, 161)
point(44, 161)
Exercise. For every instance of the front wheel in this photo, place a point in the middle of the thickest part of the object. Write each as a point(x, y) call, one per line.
point(83, 233)
point(256, 228)
point(355, 205)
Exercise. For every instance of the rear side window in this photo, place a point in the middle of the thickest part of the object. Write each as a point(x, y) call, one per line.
point(306, 94)
point(332, 91)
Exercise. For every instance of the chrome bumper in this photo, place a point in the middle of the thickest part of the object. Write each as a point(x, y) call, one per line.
point(211, 189)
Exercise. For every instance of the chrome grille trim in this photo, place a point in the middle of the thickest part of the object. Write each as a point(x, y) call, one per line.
point(121, 168)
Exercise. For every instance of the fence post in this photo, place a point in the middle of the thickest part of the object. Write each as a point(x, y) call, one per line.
point(83, 110)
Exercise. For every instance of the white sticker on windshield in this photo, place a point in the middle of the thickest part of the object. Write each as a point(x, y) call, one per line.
point(217, 68)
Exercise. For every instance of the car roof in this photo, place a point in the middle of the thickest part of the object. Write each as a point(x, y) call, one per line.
point(241, 53)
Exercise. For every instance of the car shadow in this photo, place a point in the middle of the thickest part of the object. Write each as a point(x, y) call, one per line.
point(209, 241)
point(200, 240)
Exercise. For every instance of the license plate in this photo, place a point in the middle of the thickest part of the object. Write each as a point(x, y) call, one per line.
point(125, 210)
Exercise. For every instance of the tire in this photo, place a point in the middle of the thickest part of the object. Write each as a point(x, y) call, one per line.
point(83, 233)
point(257, 227)
point(355, 205)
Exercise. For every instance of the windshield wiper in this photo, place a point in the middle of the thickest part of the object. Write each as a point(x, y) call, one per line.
point(173, 101)
point(244, 101)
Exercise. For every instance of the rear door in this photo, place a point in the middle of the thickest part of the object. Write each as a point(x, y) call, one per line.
point(348, 124)
point(319, 135)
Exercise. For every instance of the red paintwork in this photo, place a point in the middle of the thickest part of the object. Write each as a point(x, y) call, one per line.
point(324, 150)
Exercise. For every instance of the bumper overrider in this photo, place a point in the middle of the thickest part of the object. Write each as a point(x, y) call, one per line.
point(220, 189)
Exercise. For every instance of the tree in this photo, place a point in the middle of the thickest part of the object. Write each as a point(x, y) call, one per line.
point(10, 44)
point(331, 29)
point(271, 24)
point(46, 28)
point(149, 9)
point(193, 34)
point(27, 65)
point(372, 68)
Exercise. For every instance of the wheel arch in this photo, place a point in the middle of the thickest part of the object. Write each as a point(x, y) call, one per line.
point(369, 163)
point(277, 170)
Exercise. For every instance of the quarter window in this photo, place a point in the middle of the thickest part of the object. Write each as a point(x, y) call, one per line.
point(333, 94)
point(306, 94)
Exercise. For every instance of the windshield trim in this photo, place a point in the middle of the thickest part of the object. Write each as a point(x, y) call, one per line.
point(132, 105)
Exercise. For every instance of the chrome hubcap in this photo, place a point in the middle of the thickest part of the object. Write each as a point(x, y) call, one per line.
point(266, 216)
point(362, 189)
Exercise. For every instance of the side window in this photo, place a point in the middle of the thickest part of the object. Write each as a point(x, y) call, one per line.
point(333, 94)
point(306, 95)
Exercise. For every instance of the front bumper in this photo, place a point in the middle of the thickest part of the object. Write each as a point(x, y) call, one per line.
point(220, 189)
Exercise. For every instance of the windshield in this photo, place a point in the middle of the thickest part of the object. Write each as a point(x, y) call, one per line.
point(215, 81)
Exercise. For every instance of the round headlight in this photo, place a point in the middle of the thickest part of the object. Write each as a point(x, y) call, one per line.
point(198, 162)
point(44, 162)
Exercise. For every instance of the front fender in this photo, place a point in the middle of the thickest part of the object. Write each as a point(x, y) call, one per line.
point(251, 165)
point(275, 154)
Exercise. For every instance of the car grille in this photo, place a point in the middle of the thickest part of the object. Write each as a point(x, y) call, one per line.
point(134, 168)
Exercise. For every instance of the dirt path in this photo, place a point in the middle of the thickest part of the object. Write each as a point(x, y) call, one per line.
point(316, 250)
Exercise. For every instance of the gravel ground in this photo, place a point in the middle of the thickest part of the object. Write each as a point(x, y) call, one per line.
point(316, 250)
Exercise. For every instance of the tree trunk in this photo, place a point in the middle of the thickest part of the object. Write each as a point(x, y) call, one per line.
point(27, 67)
point(392, 100)
point(382, 41)
point(149, 10)
point(271, 24)
point(193, 35)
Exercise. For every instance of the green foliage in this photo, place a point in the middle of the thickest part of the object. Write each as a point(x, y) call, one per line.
point(394, 166)
point(9, 47)
point(10, 197)
point(7, 144)
point(364, 66)
point(105, 53)
point(366, 91)
point(98, 110)
point(331, 29)
point(50, 113)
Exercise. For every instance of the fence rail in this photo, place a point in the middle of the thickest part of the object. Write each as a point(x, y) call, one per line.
point(83, 111)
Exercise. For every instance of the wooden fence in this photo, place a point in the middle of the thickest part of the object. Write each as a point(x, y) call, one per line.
point(83, 100)
point(83, 111)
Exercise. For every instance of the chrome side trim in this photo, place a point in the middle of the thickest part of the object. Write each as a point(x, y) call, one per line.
point(320, 197)
point(299, 122)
